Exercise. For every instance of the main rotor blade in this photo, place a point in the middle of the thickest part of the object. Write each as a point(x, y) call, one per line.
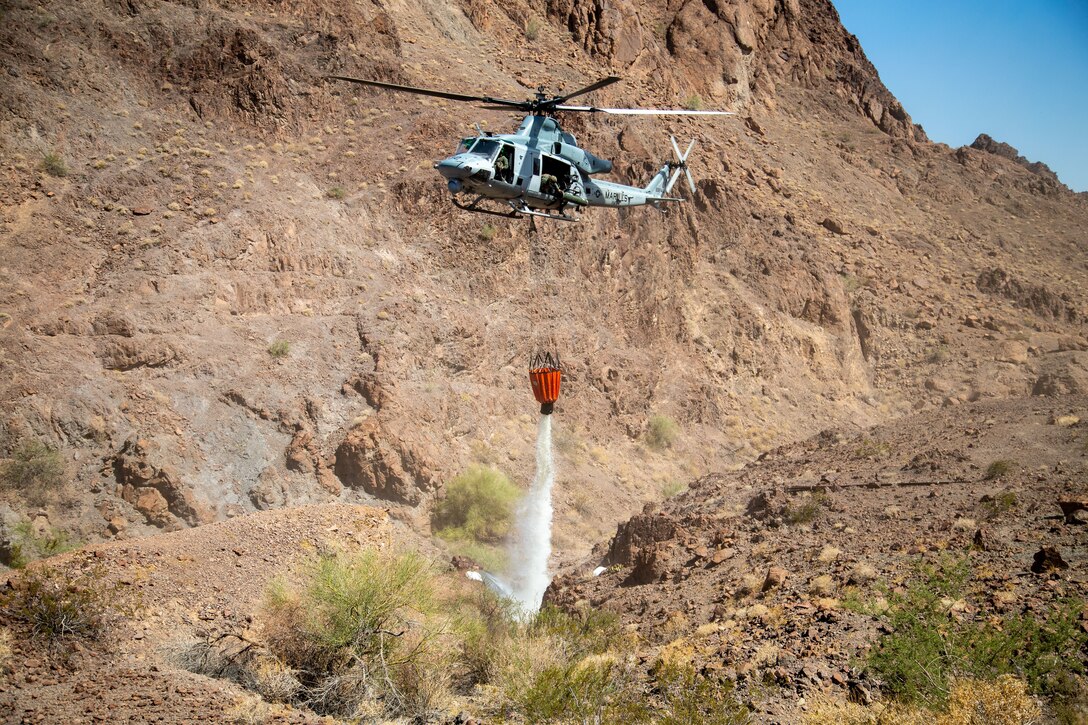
point(592, 87)
point(429, 92)
point(643, 111)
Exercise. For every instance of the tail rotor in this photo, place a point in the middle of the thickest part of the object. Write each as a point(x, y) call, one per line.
point(681, 164)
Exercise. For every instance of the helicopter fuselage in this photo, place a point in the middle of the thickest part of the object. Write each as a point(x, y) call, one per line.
point(540, 167)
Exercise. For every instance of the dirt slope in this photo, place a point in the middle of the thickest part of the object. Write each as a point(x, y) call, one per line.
point(182, 586)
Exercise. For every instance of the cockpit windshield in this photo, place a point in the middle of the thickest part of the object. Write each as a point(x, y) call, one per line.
point(485, 148)
point(465, 145)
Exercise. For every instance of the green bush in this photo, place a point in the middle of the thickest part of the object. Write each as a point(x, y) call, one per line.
point(356, 631)
point(33, 467)
point(56, 605)
point(336, 192)
point(661, 432)
point(279, 348)
point(687, 697)
point(575, 692)
point(478, 506)
point(28, 545)
point(53, 164)
point(872, 449)
point(694, 103)
point(998, 469)
point(532, 29)
point(994, 506)
point(805, 511)
point(927, 647)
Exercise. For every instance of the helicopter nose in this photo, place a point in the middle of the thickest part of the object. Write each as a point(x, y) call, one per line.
point(453, 169)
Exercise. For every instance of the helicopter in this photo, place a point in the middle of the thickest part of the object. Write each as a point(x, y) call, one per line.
point(539, 170)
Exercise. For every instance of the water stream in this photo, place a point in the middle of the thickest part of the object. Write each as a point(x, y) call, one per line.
point(531, 544)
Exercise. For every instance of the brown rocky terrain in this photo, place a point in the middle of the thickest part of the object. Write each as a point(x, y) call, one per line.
point(763, 575)
point(229, 285)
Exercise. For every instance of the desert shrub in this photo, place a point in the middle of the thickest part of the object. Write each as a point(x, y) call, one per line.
point(570, 692)
point(532, 29)
point(673, 488)
point(336, 192)
point(688, 697)
point(53, 164)
point(357, 632)
point(488, 232)
point(478, 506)
point(869, 448)
point(927, 648)
point(661, 432)
point(279, 348)
point(998, 469)
point(805, 510)
point(994, 506)
point(694, 103)
point(1001, 701)
point(28, 544)
point(33, 467)
point(56, 605)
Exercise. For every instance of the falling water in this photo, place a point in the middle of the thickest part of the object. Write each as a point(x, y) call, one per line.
point(531, 545)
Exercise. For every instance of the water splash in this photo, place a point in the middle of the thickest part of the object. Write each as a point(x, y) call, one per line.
point(531, 546)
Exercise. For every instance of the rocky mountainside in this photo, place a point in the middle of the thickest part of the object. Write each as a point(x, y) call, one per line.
point(773, 574)
point(228, 284)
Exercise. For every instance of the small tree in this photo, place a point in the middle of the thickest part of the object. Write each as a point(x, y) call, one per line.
point(478, 506)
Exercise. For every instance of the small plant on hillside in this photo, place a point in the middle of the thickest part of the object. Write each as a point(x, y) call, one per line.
point(279, 348)
point(661, 432)
point(694, 103)
point(55, 605)
point(672, 488)
point(53, 164)
point(994, 506)
point(488, 231)
point(940, 354)
point(27, 544)
point(478, 506)
point(532, 29)
point(33, 468)
point(998, 469)
point(869, 448)
point(688, 697)
point(806, 510)
point(336, 192)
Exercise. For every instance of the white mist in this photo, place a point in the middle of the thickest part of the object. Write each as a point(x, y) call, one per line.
point(531, 545)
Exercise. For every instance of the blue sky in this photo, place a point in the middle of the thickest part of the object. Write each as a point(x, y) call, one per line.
point(1015, 70)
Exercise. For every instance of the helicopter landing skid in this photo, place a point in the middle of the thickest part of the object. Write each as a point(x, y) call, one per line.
point(473, 207)
point(515, 212)
point(560, 216)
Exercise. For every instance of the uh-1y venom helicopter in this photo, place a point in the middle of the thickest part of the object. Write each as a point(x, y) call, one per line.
point(540, 169)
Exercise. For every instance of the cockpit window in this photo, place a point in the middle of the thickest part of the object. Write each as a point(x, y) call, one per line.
point(466, 144)
point(485, 148)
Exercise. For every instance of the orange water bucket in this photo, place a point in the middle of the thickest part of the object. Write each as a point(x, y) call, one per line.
point(545, 382)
